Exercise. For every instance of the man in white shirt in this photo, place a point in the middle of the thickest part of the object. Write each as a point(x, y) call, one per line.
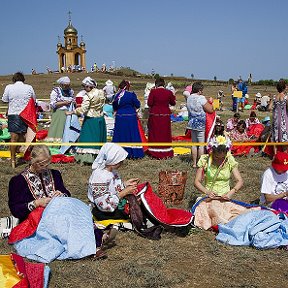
point(274, 186)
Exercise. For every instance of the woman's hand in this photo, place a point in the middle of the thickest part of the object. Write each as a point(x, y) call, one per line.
point(57, 193)
point(69, 113)
point(128, 190)
point(132, 181)
point(43, 202)
point(227, 196)
point(212, 195)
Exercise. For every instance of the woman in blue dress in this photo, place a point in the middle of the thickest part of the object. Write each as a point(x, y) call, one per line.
point(126, 128)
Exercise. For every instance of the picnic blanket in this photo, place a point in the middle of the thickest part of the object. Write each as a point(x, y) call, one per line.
point(262, 229)
point(65, 231)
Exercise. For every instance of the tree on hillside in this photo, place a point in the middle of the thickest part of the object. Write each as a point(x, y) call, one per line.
point(192, 76)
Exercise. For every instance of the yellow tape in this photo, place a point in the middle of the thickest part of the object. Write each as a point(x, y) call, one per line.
point(173, 144)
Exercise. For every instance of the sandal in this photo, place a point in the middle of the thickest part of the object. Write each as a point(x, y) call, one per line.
point(100, 254)
point(109, 237)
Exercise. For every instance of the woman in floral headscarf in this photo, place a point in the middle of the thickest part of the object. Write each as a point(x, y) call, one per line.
point(217, 167)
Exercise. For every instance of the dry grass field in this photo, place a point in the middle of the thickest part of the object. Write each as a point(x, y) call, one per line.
point(196, 260)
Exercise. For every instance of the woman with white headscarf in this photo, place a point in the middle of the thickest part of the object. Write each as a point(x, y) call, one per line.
point(106, 190)
point(61, 98)
point(94, 127)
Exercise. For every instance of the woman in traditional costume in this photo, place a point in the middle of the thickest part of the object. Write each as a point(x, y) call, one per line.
point(94, 126)
point(61, 98)
point(108, 193)
point(106, 190)
point(35, 187)
point(159, 122)
point(126, 128)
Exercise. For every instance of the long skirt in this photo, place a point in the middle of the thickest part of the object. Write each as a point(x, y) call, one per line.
point(93, 130)
point(159, 130)
point(55, 132)
point(126, 131)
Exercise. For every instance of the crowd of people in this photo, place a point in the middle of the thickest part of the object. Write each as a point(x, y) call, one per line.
point(38, 186)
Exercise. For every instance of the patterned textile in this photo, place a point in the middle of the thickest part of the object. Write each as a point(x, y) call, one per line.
point(103, 189)
point(280, 120)
point(40, 185)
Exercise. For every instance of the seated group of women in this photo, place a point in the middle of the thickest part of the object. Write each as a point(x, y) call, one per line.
point(37, 185)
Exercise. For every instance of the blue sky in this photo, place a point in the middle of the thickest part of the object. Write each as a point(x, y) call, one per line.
point(208, 38)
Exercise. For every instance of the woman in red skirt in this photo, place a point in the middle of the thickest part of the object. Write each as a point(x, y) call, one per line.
point(159, 123)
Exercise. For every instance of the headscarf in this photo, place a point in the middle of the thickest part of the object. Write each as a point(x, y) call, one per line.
point(89, 82)
point(109, 83)
point(64, 80)
point(109, 154)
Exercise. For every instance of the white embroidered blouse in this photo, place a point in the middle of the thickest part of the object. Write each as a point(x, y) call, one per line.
point(104, 188)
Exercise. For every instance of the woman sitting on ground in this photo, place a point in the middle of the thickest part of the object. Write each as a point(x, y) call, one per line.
point(108, 194)
point(232, 122)
point(36, 186)
point(274, 186)
point(240, 133)
point(252, 120)
point(106, 190)
point(217, 167)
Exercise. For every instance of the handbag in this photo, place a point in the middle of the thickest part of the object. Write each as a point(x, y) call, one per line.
point(171, 186)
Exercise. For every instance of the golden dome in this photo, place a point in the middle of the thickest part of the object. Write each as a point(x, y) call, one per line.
point(70, 29)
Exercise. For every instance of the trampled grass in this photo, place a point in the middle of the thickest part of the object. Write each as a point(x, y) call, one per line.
point(195, 260)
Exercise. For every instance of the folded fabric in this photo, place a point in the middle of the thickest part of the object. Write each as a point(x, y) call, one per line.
point(41, 134)
point(210, 212)
point(65, 231)
point(28, 227)
point(157, 209)
point(71, 132)
point(17, 273)
point(261, 229)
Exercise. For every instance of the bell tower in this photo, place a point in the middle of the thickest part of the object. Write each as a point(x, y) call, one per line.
point(71, 56)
